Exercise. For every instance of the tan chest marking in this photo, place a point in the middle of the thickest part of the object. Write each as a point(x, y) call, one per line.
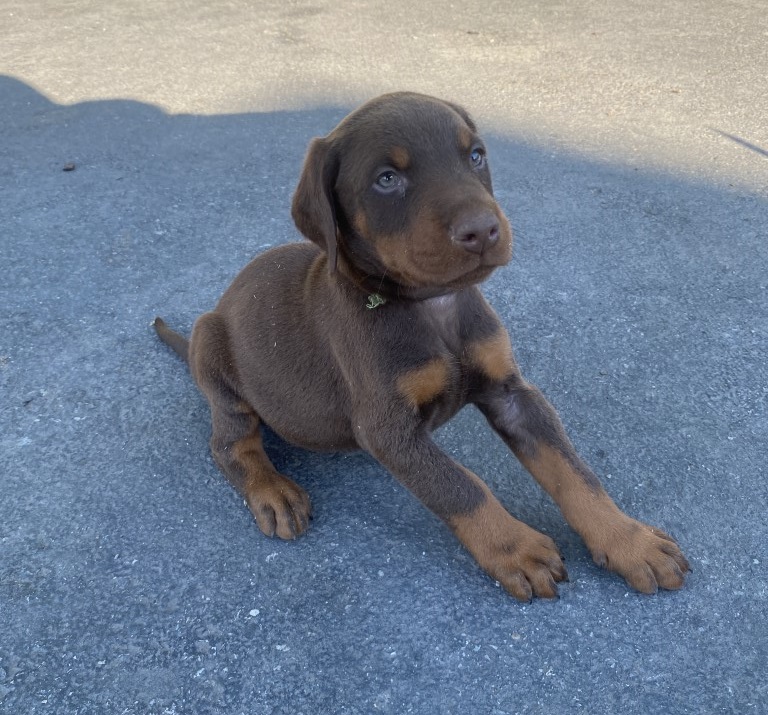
point(425, 383)
point(493, 356)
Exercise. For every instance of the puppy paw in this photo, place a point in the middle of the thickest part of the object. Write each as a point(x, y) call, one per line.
point(280, 506)
point(525, 562)
point(646, 557)
point(528, 567)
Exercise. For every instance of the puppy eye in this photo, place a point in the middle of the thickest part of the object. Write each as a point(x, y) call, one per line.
point(477, 157)
point(388, 180)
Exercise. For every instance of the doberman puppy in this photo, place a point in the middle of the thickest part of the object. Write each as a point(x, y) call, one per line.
point(375, 333)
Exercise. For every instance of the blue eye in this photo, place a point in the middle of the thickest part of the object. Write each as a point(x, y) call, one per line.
point(477, 158)
point(388, 181)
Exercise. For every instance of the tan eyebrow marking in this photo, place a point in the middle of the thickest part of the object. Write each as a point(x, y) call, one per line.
point(400, 158)
point(466, 138)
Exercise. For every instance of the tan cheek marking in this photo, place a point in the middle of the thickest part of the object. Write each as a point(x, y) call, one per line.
point(400, 158)
point(360, 222)
point(423, 384)
point(416, 257)
point(493, 356)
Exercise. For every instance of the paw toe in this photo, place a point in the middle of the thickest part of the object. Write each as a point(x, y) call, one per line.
point(535, 574)
point(516, 584)
point(642, 579)
point(671, 577)
point(281, 509)
point(544, 585)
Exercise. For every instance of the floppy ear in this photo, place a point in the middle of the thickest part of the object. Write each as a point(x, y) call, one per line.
point(313, 206)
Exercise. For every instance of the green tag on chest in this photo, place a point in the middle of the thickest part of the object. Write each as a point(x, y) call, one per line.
point(374, 301)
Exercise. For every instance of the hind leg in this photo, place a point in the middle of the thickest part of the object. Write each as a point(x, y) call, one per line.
point(279, 505)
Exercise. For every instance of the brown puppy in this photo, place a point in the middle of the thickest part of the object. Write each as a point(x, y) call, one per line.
point(375, 334)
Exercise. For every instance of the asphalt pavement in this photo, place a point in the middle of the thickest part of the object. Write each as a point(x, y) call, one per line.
point(148, 150)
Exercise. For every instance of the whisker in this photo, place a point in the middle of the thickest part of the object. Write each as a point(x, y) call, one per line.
point(383, 277)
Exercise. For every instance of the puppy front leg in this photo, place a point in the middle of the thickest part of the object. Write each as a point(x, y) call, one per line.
point(525, 562)
point(645, 556)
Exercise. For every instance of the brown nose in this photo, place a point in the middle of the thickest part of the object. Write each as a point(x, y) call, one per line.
point(475, 232)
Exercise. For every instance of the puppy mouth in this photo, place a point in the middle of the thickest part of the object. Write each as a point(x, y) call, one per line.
point(480, 273)
point(497, 255)
point(437, 261)
point(469, 267)
point(466, 271)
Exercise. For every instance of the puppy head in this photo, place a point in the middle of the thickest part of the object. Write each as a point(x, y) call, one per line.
point(399, 195)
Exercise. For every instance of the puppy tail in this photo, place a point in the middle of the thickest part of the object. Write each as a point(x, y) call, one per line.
point(177, 342)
